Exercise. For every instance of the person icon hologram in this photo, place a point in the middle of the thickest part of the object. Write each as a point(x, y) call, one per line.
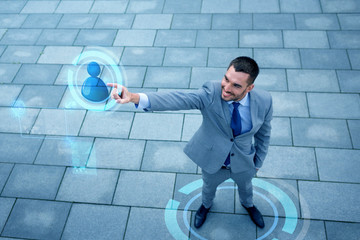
point(94, 89)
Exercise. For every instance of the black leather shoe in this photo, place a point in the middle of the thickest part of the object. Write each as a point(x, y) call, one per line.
point(200, 216)
point(255, 216)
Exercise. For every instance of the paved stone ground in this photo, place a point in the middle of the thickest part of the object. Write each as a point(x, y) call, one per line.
point(70, 173)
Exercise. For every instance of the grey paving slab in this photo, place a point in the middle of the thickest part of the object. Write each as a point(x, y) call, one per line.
point(5, 170)
point(277, 58)
point(312, 80)
point(324, 59)
point(107, 124)
point(174, 77)
point(273, 21)
point(37, 219)
point(40, 96)
point(259, 6)
point(8, 71)
point(58, 122)
point(305, 229)
point(42, 20)
point(62, 78)
point(40, 7)
point(148, 223)
point(338, 165)
point(62, 37)
point(232, 21)
point(96, 222)
point(200, 75)
point(192, 123)
point(175, 38)
point(217, 38)
point(134, 76)
point(11, 6)
point(78, 21)
point(109, 6)
point(12, 20)
point(307, 6)
point(289, 104)
point(281, 132)
point(187, 6)
point(339, 205)
point(141, 6)
point(192, 57)
point(334, 105)
point(183, 180)
point(117, 153)
point(142, 56)
point(135, 38)
point(152, 189)
point(17, 120)
point(95, 37)
point(305, 39)
point(65, 151)
point(222, 6)
point(37, 74)
point(221, 57)
point(340, 6)
point(354, 58)
point(235, 226)
point(15, 148)
point(320, 133)
point(349, 231)
point(344, 39)
point(30, 181)
point(261, 38)
point(272, 80)
point(9, 94)
point(152, 21)
point(21, 54)
point(2, 48)
point(349, 21)
point(114, 21)
point(88, 185)
point(74, 7)
point(354, 127)
point(191, 21)
point(167, 156)
point(317, 21)
point(60, 54)
point(5, 209)
point(290, 163)
point(20, 36)
point(157, 126)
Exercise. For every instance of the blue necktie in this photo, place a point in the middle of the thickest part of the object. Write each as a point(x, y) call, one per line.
point(235, 125)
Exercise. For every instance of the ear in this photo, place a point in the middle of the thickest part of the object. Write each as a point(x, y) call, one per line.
point(249, 88)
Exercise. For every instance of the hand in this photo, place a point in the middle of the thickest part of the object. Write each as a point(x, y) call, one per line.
point(125, 96)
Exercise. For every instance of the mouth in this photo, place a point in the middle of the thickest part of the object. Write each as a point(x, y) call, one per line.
point(226, 94)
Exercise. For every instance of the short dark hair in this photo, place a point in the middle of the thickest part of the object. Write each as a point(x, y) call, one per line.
point(246, 65)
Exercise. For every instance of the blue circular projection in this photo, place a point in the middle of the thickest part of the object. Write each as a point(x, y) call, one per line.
point(93, 94)
point(291, 216)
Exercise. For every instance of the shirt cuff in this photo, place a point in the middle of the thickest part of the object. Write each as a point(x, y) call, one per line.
point(143, 101)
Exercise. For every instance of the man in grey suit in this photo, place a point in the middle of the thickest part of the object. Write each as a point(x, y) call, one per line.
point(233, 139)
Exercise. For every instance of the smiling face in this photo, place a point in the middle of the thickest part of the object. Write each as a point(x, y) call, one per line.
point(234, 85)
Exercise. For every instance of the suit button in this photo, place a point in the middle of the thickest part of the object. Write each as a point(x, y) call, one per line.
point(232, 154)
point(232, 140)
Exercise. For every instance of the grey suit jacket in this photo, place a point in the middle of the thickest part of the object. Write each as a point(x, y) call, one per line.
point(214, 140)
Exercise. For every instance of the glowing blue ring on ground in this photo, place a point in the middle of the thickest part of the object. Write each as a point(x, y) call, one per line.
point(105, 60)
point(288, 205)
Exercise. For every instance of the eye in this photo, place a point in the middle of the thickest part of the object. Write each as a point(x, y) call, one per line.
point(237, 85)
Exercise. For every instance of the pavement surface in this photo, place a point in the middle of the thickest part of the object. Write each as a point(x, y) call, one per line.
point(70, 172)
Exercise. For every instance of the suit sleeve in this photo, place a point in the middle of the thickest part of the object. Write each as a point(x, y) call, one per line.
point(178, 100)
point(262, 138)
